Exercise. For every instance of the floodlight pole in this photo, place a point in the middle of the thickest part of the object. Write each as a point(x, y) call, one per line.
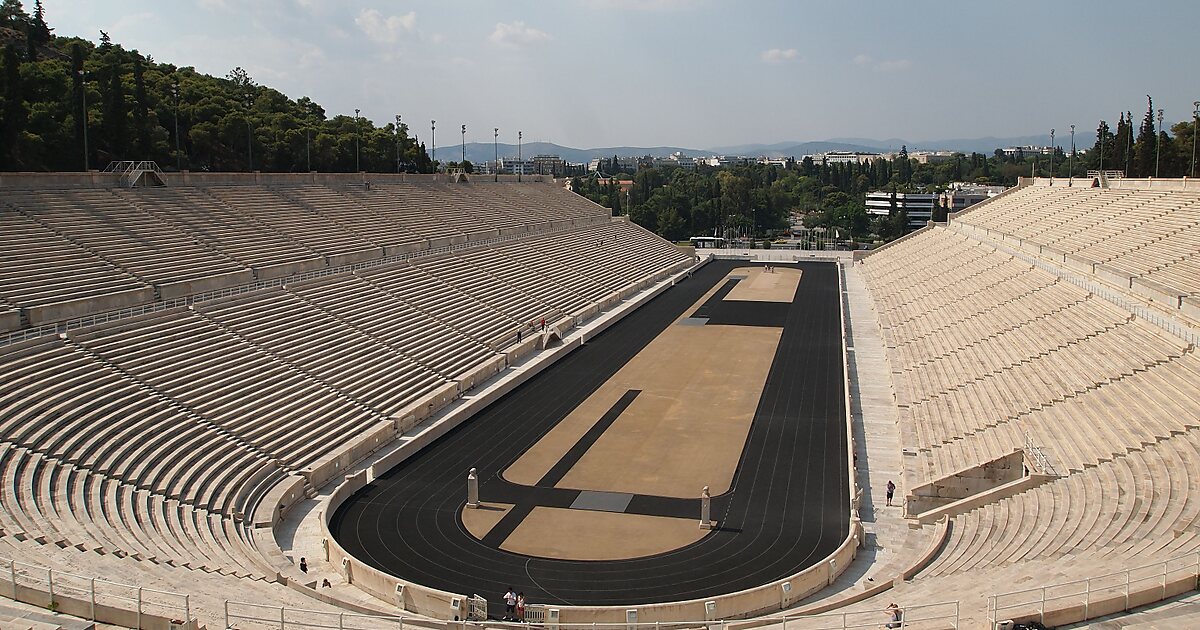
point(1053, 149)
point(397, 144)
point(1195, 125)
point(1158, 141)
point(496, 153)
point(520, 161)
point(175, 94)
point(357, 134)
point(83, 93)
point(463, 164)
point(1071, 168)
point(433, 143)
point(249, 139)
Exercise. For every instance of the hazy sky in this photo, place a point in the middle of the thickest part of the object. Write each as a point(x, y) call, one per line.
point(691, 73)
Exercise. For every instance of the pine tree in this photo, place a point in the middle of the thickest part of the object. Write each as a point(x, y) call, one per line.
point(141, 115)
point(37, 25)
point(1101, 154)
point(14, 112)
point(1119, 144)
point(115, 114)
point(77, 94)
point(1143, 150)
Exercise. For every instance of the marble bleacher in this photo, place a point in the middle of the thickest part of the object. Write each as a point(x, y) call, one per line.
point(143, 447)
point(1145, 240)
point(990, 353)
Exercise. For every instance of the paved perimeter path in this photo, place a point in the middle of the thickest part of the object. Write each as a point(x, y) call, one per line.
point(787, 508)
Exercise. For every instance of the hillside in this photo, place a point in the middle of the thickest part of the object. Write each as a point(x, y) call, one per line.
point(135, 105)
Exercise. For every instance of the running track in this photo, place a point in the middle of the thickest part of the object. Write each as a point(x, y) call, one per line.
point(787, 509)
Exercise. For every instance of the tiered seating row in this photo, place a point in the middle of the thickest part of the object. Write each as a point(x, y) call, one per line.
point(292, 220)
point(1143, 233)
point(125, 247)
point(987, 352)
point(274, 407)
point(139, 243)
point(220, 227)
point(352, 214)
point(39, 267)
point(1140, 506)
point(299, 334)
point(67, 506)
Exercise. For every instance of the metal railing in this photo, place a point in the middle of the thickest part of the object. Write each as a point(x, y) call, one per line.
point(1038, 455)
point(1036, 602)
point(53, 589)
point(247, 616)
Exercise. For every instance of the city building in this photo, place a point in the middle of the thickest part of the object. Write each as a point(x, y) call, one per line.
point(919, 206)
point(962, 195)
point(842, 157)
point(548, 165)
point(931, 157)
point(1021, 153)
point(513, 166)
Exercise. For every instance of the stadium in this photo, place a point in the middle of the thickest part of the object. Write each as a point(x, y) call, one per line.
point(360, 401)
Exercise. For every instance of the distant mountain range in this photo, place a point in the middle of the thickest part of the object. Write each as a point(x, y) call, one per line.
point(483, 151)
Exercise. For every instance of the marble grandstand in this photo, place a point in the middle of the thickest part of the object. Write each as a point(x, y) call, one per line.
point(180, 358)
point(182, 361)
point(1059, 323)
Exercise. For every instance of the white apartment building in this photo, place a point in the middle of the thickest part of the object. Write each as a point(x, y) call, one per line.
point(919, 206)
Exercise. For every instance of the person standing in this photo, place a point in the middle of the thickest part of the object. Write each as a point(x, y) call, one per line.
point(891, 490)
point(521, 607)
point(303, 565)
point(510, 605)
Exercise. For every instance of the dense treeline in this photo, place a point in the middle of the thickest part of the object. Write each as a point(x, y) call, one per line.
point(759, 199)
point(135, 106)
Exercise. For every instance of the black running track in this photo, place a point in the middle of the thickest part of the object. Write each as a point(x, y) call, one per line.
point(786, 510)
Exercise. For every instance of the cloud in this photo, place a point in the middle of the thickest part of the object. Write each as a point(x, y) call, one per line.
point(780, 55)
point(385, 30)
point(887, 65)
point(516, 35)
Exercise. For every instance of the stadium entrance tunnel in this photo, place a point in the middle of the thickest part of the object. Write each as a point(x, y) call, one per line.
point(590, 473)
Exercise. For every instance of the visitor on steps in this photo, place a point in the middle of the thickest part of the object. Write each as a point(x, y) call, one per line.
point(891, 490)
point(510, 605)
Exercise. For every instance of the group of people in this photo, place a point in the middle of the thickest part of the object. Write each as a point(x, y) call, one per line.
point(514, 605)
point(533, 326)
